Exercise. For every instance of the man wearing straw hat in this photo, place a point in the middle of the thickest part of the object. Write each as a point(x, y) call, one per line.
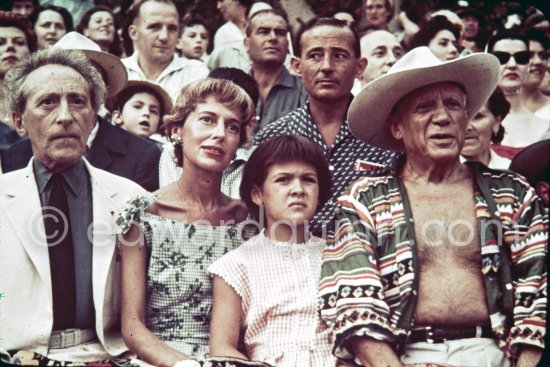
point(464, 283)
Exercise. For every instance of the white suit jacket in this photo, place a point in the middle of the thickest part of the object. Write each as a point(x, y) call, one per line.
point(26, 311)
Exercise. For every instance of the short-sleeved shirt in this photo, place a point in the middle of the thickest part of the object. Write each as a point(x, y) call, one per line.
point(227, 33)
point(286, 95)
point(278, 283)
point(370, 273)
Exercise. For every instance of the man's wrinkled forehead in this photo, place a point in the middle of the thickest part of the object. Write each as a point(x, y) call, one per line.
point(267, 16)
point(146, 7)
point(431, 91)
point(54, 76)
point(327, 35)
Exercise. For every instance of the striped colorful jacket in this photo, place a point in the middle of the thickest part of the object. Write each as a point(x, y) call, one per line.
point(369, 279)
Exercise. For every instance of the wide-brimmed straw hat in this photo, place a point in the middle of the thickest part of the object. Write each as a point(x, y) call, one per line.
point(370, 109)
point(117, 76)
point(165, 101)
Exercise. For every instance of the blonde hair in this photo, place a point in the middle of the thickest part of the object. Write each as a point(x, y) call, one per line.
point(224, 91)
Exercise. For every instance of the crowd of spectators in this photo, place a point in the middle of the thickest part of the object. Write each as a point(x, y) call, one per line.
point(169, 167)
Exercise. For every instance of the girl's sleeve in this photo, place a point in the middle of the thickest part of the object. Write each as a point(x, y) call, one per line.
point(231, 267)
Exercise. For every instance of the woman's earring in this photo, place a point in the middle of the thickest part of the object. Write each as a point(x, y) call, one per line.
point(176, 140)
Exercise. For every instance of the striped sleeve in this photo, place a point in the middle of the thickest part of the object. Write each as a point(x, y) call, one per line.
point(525, 232)
point(352, 297)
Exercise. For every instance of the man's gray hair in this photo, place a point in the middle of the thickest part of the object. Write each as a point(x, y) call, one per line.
point(13, 82)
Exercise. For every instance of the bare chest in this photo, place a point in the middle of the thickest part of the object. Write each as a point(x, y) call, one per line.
point(445, 225)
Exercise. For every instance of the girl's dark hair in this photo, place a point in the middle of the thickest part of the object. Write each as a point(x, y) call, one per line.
point(9, 19)
point(282, 149)
point(431, 28)
point(67, 17)
point(499, 106)
point(115, 47)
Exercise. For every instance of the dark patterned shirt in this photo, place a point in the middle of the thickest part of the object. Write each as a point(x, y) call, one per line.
point(348, 158)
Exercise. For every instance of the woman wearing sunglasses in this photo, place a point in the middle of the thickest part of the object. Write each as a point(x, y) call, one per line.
point(522, 127)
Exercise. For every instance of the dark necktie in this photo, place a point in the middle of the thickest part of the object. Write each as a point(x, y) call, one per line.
point(60, 247)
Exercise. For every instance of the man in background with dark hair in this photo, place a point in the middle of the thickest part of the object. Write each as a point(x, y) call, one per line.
point(328, 60)
point(472, 21)
point(24, 7)
point(266, 43)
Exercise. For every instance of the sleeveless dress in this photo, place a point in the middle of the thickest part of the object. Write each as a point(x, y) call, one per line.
point(179, 291)
point(278, 286)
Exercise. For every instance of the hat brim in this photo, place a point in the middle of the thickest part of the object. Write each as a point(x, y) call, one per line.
point(370, 109)
point(117, 76)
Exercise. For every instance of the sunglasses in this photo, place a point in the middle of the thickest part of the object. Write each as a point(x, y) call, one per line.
point(521, 57)
point(541, 54)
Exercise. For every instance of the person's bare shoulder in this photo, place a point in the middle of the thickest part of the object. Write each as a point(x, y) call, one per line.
point(167, 198)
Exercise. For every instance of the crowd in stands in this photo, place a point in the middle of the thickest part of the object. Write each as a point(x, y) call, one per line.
point(227, 183)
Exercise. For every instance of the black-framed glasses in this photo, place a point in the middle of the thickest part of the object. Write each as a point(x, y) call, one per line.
point(521, 57)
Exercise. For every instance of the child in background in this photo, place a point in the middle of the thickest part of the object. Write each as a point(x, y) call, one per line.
point(266, 289)
point(139, 107)
point(194, 39)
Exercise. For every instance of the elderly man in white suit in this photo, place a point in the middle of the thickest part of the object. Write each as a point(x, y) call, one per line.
point(59, 299)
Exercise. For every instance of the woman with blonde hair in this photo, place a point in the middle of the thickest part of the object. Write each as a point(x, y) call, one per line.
point(171, 237)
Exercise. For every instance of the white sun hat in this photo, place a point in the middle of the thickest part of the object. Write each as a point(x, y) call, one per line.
point(369, 111)
point(117, 76)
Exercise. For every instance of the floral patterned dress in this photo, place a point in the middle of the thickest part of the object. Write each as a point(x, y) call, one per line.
point(179, 291)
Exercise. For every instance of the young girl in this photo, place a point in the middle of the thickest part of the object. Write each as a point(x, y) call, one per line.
point(139, 107)
point(266, 289)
